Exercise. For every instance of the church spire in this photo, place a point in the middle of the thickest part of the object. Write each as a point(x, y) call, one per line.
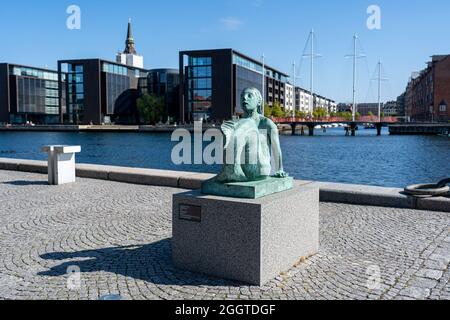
point(129, 56)
point(129, 44)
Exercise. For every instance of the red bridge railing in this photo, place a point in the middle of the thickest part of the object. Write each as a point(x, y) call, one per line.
point(363, 119)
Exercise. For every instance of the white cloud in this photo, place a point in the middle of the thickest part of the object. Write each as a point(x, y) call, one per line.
point(231, 24)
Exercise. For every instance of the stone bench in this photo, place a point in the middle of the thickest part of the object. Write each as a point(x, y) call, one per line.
point(61, 164)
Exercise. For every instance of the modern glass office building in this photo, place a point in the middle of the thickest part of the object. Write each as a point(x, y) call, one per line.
point(99, 91)
point(29, 94)
point(249, 73)
point(199, 79)
point(245, 78)
point(163, 83)
point(212, 82)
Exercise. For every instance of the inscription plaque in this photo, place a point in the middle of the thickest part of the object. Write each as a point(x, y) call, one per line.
point(190, 213)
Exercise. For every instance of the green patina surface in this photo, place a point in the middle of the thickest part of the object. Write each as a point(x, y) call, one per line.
point(250, 145)
point(249, 190)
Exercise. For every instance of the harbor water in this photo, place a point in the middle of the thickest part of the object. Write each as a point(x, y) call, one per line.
point(390, 161)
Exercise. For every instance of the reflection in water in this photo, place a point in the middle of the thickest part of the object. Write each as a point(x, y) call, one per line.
point(365, 159)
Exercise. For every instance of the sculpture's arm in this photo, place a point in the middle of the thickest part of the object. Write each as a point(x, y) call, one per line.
point(274, 139)
point(231, 170)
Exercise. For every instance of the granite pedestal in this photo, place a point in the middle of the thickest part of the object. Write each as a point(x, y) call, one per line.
point(248, 240)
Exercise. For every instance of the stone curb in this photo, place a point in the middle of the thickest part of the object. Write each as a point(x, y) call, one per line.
point(162, 178)
point(365, 195)
point(329, 192)
point(379, 196)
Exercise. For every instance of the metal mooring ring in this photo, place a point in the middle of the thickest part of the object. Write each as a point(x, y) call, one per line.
point(429, 190)
point(443, 183)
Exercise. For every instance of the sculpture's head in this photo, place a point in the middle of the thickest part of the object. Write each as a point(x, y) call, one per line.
point(251, 100)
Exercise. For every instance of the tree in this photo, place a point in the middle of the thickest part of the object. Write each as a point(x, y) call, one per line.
point(277, 111)
point(346, 115)
point(288, 113)
point(151, 108)
point(320, 113)
point(371, 114)
point(301, 114)
point(267, 111)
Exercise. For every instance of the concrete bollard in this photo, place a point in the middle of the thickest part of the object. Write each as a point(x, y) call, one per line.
point(61, 163)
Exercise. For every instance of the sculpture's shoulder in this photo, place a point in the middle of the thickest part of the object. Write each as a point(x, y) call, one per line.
point(231, 129)
point(266, 123)
point(228, 126)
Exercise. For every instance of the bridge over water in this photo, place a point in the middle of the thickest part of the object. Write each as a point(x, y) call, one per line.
point(352, 126)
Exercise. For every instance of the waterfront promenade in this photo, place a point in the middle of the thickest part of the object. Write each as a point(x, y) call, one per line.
point(286, 124)
point(119, 234)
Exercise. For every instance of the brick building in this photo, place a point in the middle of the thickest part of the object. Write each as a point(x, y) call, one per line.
point(427, 95)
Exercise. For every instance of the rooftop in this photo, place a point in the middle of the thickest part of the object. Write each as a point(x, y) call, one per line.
point(29, 67)
point(100, 60)
point(206, 51)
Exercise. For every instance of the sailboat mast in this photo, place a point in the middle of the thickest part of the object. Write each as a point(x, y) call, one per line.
point(293, 84)
point(355, 37)
point(263, 81)
point(379, 91)
point(312, 70)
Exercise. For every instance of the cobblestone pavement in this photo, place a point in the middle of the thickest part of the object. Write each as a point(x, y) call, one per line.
point(118, 235)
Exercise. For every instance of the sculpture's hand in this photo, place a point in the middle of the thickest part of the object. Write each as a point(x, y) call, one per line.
point(281, 174)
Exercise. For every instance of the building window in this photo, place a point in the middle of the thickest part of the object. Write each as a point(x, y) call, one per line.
point(36, 95)
point(200, 71)
point(117, 69)
point(200, 87)
point(116, 85)
point(75, 93)
point(245, 78)
point(241, 61)
point(200, 61)
point(34, 73)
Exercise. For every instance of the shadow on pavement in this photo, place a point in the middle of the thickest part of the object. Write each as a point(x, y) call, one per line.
point(23, 183)
point(151, 263)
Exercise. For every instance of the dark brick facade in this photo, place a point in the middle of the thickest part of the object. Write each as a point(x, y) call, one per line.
point(428, 92)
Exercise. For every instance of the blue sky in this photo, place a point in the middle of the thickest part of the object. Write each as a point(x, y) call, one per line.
point(35, 33)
